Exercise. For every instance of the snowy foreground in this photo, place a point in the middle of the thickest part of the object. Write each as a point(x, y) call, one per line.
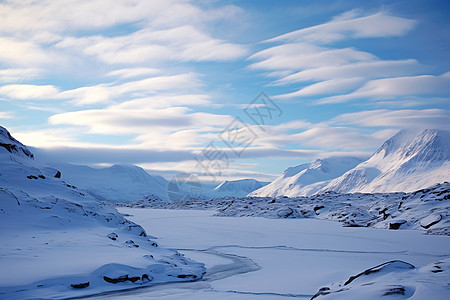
point(58, 241)
point(259, 258)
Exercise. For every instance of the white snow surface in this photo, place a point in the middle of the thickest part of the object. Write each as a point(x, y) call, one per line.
point(406, 162)
point(259, 258)
point(425, 209)
point(118, 183)
point(57, 238)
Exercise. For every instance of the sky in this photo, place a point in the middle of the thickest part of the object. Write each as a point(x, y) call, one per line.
point(221, 89)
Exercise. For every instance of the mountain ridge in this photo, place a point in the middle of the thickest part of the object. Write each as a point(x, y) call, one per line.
point(408, 161)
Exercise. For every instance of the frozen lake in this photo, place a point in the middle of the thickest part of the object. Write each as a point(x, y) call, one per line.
point(258, 258)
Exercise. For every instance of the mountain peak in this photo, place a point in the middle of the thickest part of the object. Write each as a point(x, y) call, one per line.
point(12, 145)
point(408, 161)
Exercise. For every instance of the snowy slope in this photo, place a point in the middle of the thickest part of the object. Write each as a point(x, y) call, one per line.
point(58, 241)
point(236, 188)
point(307, 179)
point(118, 183)
point(406, 162)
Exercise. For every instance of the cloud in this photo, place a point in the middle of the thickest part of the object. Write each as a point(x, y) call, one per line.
point(323, 136)
point(50, 33)
point(109, 155)
point(184, 43)
point(167, 100)
point(7, 115)
point(29, 91)
point(71, 15)
point(366, 69)
point(304, 56)
point(17, 75)
point(116, 120)
point(134, 72)
point(318, 70)
point(407, 118)
point(393, 88)
point(324, 87)
point(351, 25)
point(22, 53)
point(105, 93)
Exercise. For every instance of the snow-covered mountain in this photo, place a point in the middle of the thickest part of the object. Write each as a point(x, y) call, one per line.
point(307, 179)
point(237, 188)
point(58, 241)
point(118, 183)
point(406, 162)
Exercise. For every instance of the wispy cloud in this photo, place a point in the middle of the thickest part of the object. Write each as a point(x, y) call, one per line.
point(7, 115)
point(407, 118)
point(303, 56)
point(351, 25)
point(134, 72)
point(24, 53)
point(19, 74)
point(369, 69)
point(185, 43)
point(29, 91)
point(397, 87)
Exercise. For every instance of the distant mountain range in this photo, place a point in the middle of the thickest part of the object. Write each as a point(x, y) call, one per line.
point(237, 188)
point(406, 162)
point(123, 183)
point(118, 183)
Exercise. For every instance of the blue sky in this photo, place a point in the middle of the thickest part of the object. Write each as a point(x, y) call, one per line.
point(165, 84)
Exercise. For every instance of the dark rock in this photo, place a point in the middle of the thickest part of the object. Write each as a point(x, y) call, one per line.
point(80, 285)
point(396, 224)
point(113, 236)
point(318, 208)
point(384, 213)
point(437, 271)
point(41, 176)
point(190, 276)
point(115, 280)
point(13, 148)
point(322, 291)
point(131, 243)
point(31, 177)
point(9, 147)
point(146, 277)
point(134, 279)
point(398, 290)
point(58, 174)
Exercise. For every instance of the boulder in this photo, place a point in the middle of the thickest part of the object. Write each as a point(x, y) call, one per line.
point(430, 220)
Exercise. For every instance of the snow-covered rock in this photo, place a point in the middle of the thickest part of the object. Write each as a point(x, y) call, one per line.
point(307, 179)
point(58, 241)
point(393, 280)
